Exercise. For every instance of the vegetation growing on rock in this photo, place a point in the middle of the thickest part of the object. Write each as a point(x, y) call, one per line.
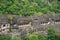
point(28, 7)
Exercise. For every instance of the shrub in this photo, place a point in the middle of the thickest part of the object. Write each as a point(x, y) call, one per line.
point(15, 38)
point(5, 37)
point(51, 34)
point(40, 37)
point(57, 37)
point(35, 36)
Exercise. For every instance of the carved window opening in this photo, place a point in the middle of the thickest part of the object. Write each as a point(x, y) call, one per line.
point(3, 29)
point(3, 25)
point(43, 22)
point(35, 19)
point(0, 30)
point(24, 23)
point(57, 20)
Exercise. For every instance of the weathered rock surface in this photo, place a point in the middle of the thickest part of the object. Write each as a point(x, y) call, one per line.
point(21, 26)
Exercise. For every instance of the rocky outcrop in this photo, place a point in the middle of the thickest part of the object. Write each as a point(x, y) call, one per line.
point(21, 26)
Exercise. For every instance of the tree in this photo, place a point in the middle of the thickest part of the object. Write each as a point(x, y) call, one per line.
point(57, 37)
point(28, 7)
point(32, 37)
point(35, 36)
point(51, 34)
point(40, 37)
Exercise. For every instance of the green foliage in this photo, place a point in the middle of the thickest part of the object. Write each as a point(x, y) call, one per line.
point(55, 7)
point(51, 34)
point(57, 37)
point(15, 38)
point(35, 37)
point(5, 37)
point(28, 7)
point(9, 38)
point(40, 37)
